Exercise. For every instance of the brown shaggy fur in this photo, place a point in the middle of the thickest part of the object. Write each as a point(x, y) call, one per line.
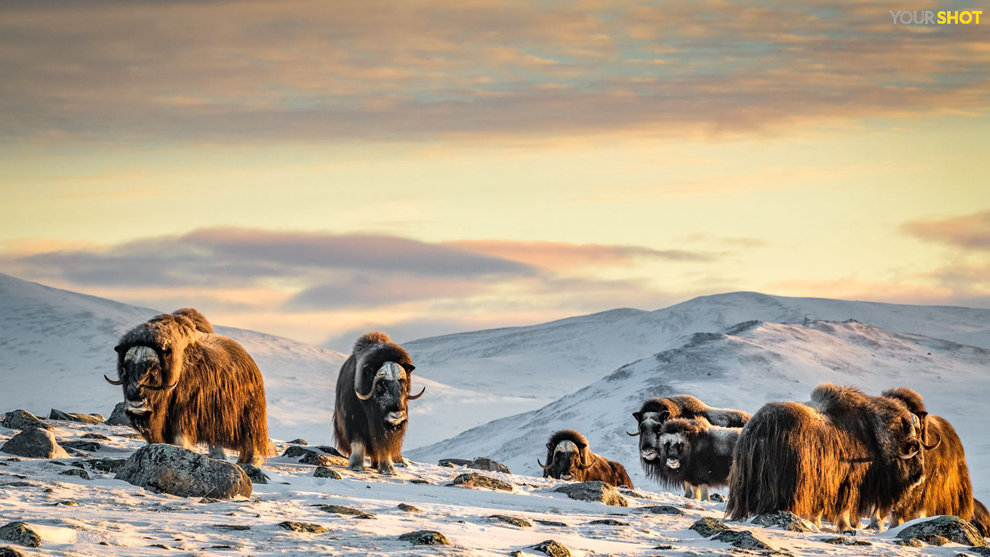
point(830, 459)
point(981, 518)
point(582, 465)
point(202, 324)
point(219, 397)
point(947, 489)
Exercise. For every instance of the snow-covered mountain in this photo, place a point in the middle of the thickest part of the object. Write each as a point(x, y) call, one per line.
point(744, 367)
point(55, 346)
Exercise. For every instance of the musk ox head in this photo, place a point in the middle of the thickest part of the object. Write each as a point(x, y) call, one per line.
point(382, 378)
point(650, 420)
point(149, 359)
point(568, 456)
point(902, 441)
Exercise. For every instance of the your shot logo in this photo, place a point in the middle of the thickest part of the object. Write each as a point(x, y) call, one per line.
point(929, 17)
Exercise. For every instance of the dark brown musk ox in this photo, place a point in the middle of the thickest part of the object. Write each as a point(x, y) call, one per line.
point(655, 412)
point(569, 458)
point(981, 518)
point(946, 489)
point(185, 387)
point(199, 320)
point(371, 411)
point(696, 453)
point(842, 452)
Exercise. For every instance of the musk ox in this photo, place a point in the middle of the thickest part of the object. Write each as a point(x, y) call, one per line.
point(371, 411)
point(199, 320)
point(981, 518)
point(696, 453)
point(184, 387)
point(650, 419)
point(840, 453)
point(946, 489)
point(569, 458)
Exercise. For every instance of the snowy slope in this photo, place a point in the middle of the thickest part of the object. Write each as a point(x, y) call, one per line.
point(56, 345)
point(752, 363)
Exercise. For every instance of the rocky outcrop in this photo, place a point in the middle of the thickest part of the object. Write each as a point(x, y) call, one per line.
point(22, 419)
point(34, 443)
point(169, 469)
point(594, 491)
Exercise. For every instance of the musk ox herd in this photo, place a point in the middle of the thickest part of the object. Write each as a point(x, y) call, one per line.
point(843, 456)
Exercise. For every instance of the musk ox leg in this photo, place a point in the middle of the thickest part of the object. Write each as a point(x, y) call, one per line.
point(356, 462)
point(385, 467)
point(688, 490)
point(703, 493)
point(843, 525)
point(876, 522)
point(399, 461)
point(217, 452)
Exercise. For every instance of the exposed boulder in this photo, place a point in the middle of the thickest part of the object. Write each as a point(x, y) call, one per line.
point(10, 552)
point(424, 537)
point(89, 446)
point(475, 481)
point(952, 528)
point(324, 472)
point(594, 491)
point(784, 520)
point(34, 443)
point(76, 472)
point(348, 511)
point(169, 469)
point(73, 417)
point(20, 533)
point(118, 417)
point(744, 539)
point(661, 509)
point(708, 527)
point(305, 527)
point(298, 442)
point(409, 508)
point(516, 521)
point(452, 462)
point(256, 474)
point(552, 549)
point(22, 419)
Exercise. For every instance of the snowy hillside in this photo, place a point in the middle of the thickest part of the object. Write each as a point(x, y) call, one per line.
point(56, 345)
point(752, 363)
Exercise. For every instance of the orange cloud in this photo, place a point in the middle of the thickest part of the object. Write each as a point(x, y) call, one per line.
point(968, 232)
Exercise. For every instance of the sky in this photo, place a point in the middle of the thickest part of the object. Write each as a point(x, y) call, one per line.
point(316, 169)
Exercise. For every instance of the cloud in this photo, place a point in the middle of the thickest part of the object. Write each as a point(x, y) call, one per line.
point(971, 232)
point(563, 255)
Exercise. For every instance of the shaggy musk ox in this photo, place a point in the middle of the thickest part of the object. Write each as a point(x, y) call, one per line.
point(199, 320)
point(981, 518)
point(946, 489)
point(371, 411)
point(650, 420)
point(694, 452)
point(184, 387)
point(569, 458)
point(833, 457)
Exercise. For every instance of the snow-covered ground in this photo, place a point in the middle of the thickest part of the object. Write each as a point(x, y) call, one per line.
point(102, 516)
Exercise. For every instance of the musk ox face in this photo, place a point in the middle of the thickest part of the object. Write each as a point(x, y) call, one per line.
point(389, 391)
point(566, 460)
point(905, 436)
point(674, 453)
point(650, 428)
point(141, 375)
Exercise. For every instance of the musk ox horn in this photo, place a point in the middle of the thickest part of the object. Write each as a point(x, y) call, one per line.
point(909, 455)
point(371, 392)
point(932, 447)
point(414, 397)
point(633, 434)
point(547, 467)
point(112, 382)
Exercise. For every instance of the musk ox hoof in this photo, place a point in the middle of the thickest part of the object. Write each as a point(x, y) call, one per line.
point(22, 419)
point(34, 443)
point(169, 469)
point(951, 527)
point(386, 469)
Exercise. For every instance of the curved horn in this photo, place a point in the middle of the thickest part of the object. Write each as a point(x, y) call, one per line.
point(909, 455)
point(633, 434)
point(580, 459)
point(371, 392)
point(547, 467)
point(938, 441)
point(112, 382)
point(414, 397)
point(168, 387)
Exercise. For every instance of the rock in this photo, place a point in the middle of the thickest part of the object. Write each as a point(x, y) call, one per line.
point(324, 472)
point(661, 509)
point(349, 511)
point(938, 540)
point(34, 443)
point(708, 527)
point(551, 523)
point(744, 539)
point(231, 527)
point(96, 436)
point(489, 465)
point(169, 469)
point(90, 446)
point(985, 552)
point(76, 472)
point(118, 417)
point(718, 498)
point(664, 547)
point(475, 481)
point(424, 537)
point(72, 417)
point(323, 460)
point(10, 552)
point(552, 548)
point(20, 533)
point(317, 456)
point(22, 419)
point(306, 527)
point(785, 520)
point(516, 521)
point(452, 462)
point(256, 474)
point(608, 522)
point(419, 481)
point(594, 491)
point(332, 451)
point(103, 464)
point(913, 542)
point(298, 442)
point(409, 508)
point(951, 527)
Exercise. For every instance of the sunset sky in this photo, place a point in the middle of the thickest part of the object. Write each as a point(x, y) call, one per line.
point(315, 169)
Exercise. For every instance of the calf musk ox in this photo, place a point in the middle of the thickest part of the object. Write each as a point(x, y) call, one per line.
point(371, 411)
point(650, 419)
point(569, 458)
point(840, 453)
point(697, 453)
point(946, 489)
point(199, 320)
point(184, 387)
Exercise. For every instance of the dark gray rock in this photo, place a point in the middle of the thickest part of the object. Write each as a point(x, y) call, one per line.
point(305, 527)
point(89, 446)
point(424, 537)
point(744, 539)
point(10, 552)
point(73, 417)
point(661, 509)
point(102, 464)
point(22, 419)
point(983, 551)
point(488, 465)
point(118, 417)
point(516, 521)
point(347, 511)
point(551, 523)
point(452, 462)
point(552, 549)
point(718, 498)
point(76, 472)
point(332, 451)
point(784, 520)
point(96, 436)
point(298, 442)
point(21, 534)
point(952, 528)
point(34, 443)
point(475, 481)
point(168, 469)
point(409, 508)
point(708, 527)
point(594, 491)
point(324, 472)
point(256, 474)
point(608, 522)
point(231, 527)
